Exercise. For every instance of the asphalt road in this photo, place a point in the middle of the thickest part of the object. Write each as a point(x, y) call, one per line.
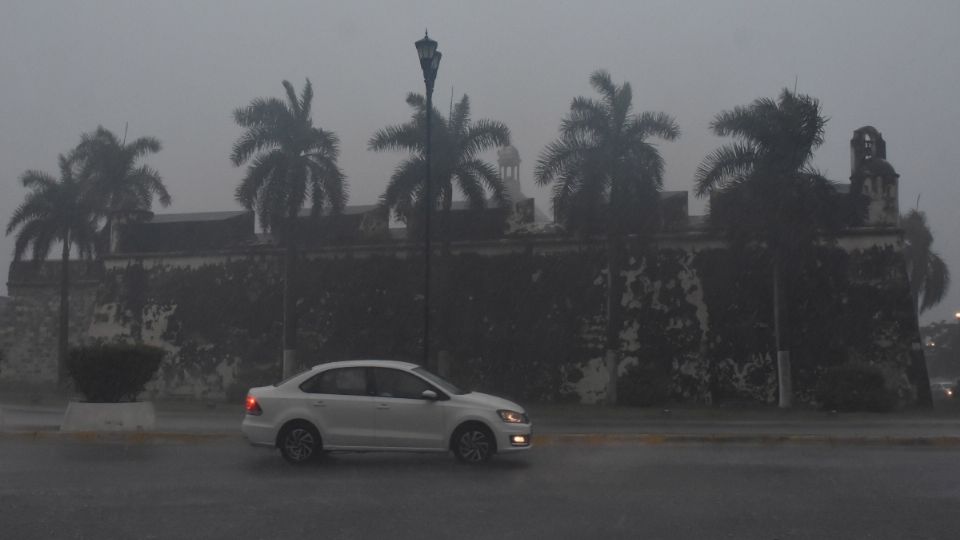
point(63, 489)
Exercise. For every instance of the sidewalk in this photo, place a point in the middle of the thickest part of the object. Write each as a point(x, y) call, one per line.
point(577, 423)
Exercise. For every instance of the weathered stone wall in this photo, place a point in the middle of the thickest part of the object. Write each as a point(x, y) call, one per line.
point(523, 318)
point(29, 326)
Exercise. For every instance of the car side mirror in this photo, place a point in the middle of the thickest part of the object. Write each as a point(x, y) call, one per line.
point(429, 394)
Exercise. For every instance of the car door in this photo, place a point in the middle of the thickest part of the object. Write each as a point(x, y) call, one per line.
point(404, 418)
point(343, 408)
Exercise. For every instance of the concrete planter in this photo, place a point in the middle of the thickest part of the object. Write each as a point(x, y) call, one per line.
point(135, 416)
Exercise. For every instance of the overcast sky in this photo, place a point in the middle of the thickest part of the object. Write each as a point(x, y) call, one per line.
point(176, 70)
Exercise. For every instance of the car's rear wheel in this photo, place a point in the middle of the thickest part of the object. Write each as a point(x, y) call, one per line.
point(473, 444)
point(299, 442)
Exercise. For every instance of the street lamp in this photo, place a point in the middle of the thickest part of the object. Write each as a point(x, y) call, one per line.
point(429, 63)
point(955, 342)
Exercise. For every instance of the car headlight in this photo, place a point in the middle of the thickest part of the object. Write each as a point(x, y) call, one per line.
point(513, 417)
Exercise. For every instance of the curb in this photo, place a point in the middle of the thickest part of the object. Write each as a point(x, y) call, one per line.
point(583, 439)
point(131, 437)
point(743, 438)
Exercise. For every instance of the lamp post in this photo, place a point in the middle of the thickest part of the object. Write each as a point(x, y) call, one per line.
point(429, 63)
point(955, 342)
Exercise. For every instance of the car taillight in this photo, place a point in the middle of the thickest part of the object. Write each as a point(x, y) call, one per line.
point(253, 408)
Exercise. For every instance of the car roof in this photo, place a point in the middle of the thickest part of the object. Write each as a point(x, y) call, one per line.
point(396, 364)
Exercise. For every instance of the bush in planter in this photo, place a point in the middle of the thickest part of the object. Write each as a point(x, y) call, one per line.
point(111, 373)
point(854, 387)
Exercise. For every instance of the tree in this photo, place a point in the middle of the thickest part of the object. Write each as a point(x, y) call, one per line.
point(123, 187)
point(56, 211)
point(928, 274)
point(603, 164)
point(290, 162)
point(764, 190)
point(457, 144)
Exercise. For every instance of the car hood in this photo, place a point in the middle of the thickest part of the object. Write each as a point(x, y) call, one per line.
point(493, 402)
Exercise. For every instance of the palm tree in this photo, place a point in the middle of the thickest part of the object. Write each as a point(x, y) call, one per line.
point(765, 190)
point(457, 144)
point(928, 274)
point(124, 187)
point(602, 164)
point(56, 210)
point(291, 161)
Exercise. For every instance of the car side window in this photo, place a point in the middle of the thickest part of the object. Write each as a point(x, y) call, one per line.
point(344, 381)
point(399, 384)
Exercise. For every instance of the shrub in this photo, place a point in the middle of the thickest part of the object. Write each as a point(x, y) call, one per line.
point(854, 387)
point(643, 386)
point(110, 373)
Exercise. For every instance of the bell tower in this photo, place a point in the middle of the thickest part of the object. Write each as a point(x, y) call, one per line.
point(508, 158)
point(874, 177)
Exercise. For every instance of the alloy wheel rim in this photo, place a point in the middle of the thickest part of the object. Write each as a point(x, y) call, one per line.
point(299, 444)
point(474, 446)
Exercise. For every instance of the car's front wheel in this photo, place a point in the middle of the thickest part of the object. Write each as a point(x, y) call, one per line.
point(473, 444)
point(299, 442)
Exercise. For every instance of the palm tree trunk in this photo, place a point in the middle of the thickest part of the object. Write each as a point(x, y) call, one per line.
point(783, 352)
point(289, 301)
point(64, 330)
point(612, 352)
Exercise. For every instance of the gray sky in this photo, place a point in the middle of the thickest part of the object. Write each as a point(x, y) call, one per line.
point(176, 70)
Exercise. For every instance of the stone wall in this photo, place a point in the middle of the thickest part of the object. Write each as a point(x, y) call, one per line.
point(524, 318)
point(29, 322)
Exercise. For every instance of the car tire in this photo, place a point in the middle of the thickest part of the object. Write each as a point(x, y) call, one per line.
point(299, 442)
point(473, 444)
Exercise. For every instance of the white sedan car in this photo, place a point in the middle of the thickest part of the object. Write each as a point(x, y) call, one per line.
point(364, 405)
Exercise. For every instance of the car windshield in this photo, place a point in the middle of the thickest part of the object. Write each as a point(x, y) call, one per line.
point(444, 385)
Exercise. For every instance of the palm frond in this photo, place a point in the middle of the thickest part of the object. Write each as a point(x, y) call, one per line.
point(293, 102)
point(398, 138)
point(417, 101)
point(588, 118)
point(460, 118)
point(723, 165)
point(753, 123)
point(601, 81)
point(405, 185)
point(621, 107)
point(260, 112)
point(937, 282)
point(306, 99)
point(471, 188)
point(483, 135)
point(653, 124)
point(261, 169)
point(33, 179)
point(560, 156)
point(485, 177)
point(143, 146)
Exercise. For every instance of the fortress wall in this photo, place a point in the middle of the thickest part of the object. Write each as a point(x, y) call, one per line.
point(522, 317)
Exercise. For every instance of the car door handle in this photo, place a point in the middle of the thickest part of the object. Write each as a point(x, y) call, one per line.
point(383, 406)
point(319, 404)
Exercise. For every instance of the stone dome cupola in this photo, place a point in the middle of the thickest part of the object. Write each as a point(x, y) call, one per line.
point(508, 156)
